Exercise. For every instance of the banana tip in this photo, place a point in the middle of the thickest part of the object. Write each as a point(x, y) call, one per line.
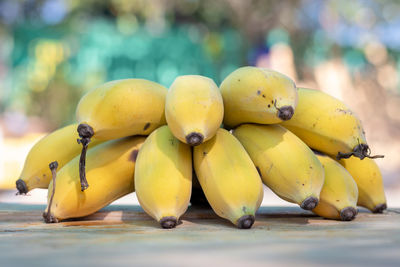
point(194, 139)
point(85, 130)
point(348, 214)
point(285, 113)
point(309, 203)
point(380, 208)
point(168, 222)
point(21, 187)
point(49, 218)
point(245, 222)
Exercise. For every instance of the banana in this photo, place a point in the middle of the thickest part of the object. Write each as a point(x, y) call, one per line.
point(117, 109)
point(286, 165)
point(368, 177)
point(59, 146)
point(110, 170)
point(194, 109)
point(326, 124)
point(228, 178)
point(163, 177)
point(257, 95)
point(338, 198)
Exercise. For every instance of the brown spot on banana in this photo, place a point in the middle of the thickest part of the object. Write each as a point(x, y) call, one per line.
point(146, 126)
point(134, 155)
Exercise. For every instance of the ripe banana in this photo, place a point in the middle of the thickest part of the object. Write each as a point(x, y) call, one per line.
point(228, 178)
point(368, 177)
point(110, 170)
point(117, 109)
point(163, 177)
point(338, 198)
point(59, 146)
point(257, 95)
point(286, 165)
point(326, 124)
point(194, 109)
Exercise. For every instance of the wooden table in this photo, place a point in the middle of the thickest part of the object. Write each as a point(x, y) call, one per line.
point(125, 235)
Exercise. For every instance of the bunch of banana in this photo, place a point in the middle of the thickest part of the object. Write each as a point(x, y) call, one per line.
point(227, 166)
point(368, 177)
point(58, 146)
point(257, 95)
point(287, 166)
point(228, 178)
point(326, 124)
point(117, 109)
point(163, 177)
point(110, 169)
point(338, 198)
point(194, 109)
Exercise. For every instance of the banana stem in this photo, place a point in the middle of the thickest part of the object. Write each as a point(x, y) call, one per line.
point(48, 218)
point(360, 151)
point(85, 132)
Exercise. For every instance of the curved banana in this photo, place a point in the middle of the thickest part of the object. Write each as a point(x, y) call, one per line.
point(117, 109)
point(110, 170)
point(338, 198)
point(326, 124)
point(163, 177)
point(368, 177)
point(194, 109)
point(228, 178)
point(60, 146)
point(257, 95)
point(287, 165)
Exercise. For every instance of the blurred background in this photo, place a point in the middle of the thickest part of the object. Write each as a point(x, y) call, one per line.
point(53, 51)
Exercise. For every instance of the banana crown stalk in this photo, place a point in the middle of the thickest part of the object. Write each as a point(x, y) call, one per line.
point(194, 109)
point(257, 95)
point(368, 177)
point(286, 165)
point(326, 124)
point(163, 177)
point(338, 198)
point(228, 178)
point(117, 109)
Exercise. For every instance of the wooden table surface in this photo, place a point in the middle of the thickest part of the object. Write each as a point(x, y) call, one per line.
point(126, 236)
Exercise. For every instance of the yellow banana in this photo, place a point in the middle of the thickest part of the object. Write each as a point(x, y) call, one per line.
point(368, 177)
point(110, 170)
point(257, 95)
point(326, 124)
point(163, 177)
point(338, 198)
point(228, 178)
point(117, 109)
point(194, 109)
point(287, 166)
point(60, 146)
